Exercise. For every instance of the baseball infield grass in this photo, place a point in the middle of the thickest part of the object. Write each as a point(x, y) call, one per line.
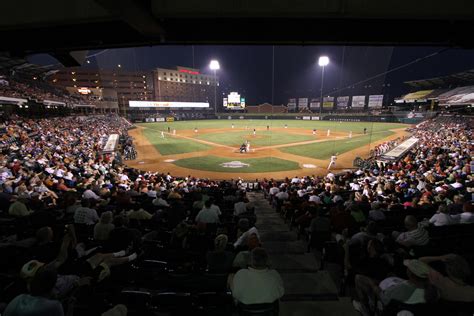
point(172, 146)
point(213, 163)
point(324, 150)
point(262, 138)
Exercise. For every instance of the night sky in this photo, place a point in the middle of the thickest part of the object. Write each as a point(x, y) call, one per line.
point(248, 69)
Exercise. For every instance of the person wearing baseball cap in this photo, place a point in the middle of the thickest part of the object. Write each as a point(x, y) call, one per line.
point(417, 289)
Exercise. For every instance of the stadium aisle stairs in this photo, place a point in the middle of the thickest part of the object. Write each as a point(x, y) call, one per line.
point(308, 290)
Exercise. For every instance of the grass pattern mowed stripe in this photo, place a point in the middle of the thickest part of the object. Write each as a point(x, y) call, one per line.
point(262, 138)
point(324, 150)
point(213, 163)
point(172, 145)
point(355, 127)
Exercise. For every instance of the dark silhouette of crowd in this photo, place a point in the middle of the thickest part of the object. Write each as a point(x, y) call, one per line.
point(81, 233)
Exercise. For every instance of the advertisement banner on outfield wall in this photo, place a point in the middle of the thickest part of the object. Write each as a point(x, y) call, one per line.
point(342, 102)
point(358, 101)
point(292, 104)
point(315, 118)
point(160, 119)
point(375, 101)
point(314, 104)
point(149, 119)
point(170, 119)
point(302, 103)
point(328, 102)
point(307, 118)
point(165, 105)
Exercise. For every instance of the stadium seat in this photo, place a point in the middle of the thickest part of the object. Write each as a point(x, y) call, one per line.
point(270, 309)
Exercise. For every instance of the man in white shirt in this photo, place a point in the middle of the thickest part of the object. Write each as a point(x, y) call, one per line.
point(442, 218)
point(240, 207)
point(273, 190)
point(209, 213)
point(282, 195)
point(257, 284)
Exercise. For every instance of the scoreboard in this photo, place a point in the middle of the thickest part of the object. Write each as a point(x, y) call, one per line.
point(234, 101)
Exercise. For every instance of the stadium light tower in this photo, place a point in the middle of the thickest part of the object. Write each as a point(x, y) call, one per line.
point(322, 62)
point(214, 65)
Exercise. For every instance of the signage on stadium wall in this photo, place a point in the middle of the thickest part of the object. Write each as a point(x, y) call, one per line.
point(291, 103)
point(358, 101)
point(328, 102)
point(306, 117)
point(375, 101)
point(315, 118)
point(84, 90)
point(314, 103)
point(342, 102)
point(160, 119)
point(164, 105)
point(170, 119)
point(149, 119)
point(302, 103)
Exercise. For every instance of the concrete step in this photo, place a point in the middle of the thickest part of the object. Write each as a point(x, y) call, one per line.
point(308, 286)
point(287, 247)
point(278, 236)
point(294, 262)
point(341, 307)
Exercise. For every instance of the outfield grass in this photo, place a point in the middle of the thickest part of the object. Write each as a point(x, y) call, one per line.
point(324, 150)
point(355, 127)
point(263, 138)
point(172, 146)
point(213, 163)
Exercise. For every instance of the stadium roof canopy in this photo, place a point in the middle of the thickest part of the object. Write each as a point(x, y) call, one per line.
point(19, 65)
point(464, 78)
point(60, 27)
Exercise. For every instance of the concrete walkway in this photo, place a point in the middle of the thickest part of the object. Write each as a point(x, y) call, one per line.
point(308, 291)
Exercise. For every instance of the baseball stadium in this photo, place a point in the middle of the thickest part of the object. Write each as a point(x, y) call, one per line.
point(236, 158)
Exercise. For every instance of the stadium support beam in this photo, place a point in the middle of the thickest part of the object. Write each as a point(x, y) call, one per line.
point(135, 16)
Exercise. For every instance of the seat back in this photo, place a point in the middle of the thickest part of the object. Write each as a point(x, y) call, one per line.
point(267, 309)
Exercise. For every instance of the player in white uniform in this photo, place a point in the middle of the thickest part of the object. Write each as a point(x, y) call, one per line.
point(329, 132)
point(247, 146)
point(254, 132)
point(332, 163)
point(162, 134)
point(174, 132)
point(286, 126)
point(350, 134)
point(314, 131)
point(232, 125)
point(195, 130)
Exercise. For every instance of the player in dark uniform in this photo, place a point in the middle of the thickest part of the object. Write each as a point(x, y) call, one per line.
point(268, 127)
point(365, 130)
point(169, 130)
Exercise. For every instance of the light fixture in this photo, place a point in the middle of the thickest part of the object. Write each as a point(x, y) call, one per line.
point(323, 61)
point(214, 65)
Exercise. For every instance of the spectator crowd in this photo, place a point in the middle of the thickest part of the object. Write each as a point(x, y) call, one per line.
point(82, 233)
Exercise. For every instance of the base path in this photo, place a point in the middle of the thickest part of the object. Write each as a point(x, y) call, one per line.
point(150, 159)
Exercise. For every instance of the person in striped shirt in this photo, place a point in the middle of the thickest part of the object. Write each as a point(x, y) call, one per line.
point(415, 235)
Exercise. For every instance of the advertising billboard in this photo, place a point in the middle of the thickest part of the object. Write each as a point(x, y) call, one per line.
point(358, 101)
point(165, 104)
point(375, 101)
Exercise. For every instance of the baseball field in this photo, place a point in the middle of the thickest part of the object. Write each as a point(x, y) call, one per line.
point(277, 148)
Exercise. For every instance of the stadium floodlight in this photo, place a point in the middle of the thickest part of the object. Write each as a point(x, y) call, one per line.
point(214, 65)
point(323, 61)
